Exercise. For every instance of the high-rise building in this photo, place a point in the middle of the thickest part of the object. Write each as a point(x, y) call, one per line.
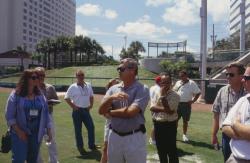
point(235, 16)
point(25, 22)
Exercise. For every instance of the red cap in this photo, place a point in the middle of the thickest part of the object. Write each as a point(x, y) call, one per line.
point(157, 79)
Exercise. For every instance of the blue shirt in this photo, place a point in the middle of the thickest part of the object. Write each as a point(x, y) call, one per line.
point(15, 114)
point(33, 110)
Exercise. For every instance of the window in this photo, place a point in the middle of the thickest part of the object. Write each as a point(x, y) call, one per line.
point(24, 24)
point(24, 37)
point(30, 33)
point(24, 31)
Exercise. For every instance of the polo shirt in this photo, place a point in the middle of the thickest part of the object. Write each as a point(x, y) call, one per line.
point(138, 94)
point(225, 100)
point(80, 96)
point(173, 100)
point(240, 148)
point(187, 90)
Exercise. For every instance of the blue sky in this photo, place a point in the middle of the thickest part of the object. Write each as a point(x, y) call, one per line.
point(109, 21)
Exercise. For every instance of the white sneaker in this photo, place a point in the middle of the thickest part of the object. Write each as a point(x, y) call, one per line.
point(185, 138)
point(151, 141)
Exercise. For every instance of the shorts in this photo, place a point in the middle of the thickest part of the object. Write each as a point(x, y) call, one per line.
point(184, 111)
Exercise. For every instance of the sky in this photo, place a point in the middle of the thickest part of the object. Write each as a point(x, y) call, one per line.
point(116, 23)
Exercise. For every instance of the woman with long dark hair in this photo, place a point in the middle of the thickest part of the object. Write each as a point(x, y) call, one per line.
point(28, 118)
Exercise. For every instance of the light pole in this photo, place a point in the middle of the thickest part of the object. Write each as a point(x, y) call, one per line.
point(125, 40)
point(203, 46)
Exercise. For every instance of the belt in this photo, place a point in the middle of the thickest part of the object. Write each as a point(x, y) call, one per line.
point(141, 128)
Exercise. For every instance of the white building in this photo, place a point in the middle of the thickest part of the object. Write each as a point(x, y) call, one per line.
point(235, 15)
point(25, 22)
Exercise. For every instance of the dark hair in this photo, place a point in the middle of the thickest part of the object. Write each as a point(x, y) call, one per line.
point(183, 72)
point(110, 83)
point(23, 83)
point(239, 66)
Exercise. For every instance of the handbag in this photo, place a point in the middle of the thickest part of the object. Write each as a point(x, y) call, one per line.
point(6, 142)
point(6, 138)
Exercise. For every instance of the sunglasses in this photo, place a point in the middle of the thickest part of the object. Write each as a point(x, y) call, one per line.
point(230, 75)
point(121, 69)
point(246, 78)
point(80, 75)
point(34, 77)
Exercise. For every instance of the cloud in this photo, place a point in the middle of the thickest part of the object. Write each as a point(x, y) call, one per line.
point(81, 31)
point(116, 51)
point(156, 3)
point(182, 13)
point(110, 14)
point(148, 30)
point(186, 12)
point(183, 37)
point(219, 10)
point(89, 9)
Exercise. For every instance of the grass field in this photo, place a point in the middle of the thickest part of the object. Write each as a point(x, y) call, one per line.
point(198, 150)
point(90, 71)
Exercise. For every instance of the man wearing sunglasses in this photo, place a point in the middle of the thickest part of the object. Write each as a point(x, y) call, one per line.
point(237, 125)
point(189, 92)
point(128, 101)
point(50, 93)
point(80, 98)
point(224, 101)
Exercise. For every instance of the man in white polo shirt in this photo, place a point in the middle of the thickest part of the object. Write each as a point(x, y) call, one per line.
point(237, 125)
point(189, 92)
point(80, 98)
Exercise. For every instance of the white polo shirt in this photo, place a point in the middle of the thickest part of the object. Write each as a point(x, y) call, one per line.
point(80, 96)
point(153, 91)
point(187, 90)
point(240, 148)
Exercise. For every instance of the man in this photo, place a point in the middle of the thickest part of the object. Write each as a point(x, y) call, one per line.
point(165, 120)
point(224, 101)
point(128, 101)
point(189, 92)
point(237, 125)
point(80, 98)
point(50, 93)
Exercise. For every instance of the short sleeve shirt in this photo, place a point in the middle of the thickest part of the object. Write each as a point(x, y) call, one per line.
point(224, 101)
point(80, 95)
point(240, 148)
point(173, 100)
point(187, 90)
point(153, 91)
point(138, 96)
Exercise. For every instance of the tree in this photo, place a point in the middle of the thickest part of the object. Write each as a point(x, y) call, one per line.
point(174, 68)
point(133, 50)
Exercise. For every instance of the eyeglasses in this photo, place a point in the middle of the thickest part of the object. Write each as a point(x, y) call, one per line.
point(34, 77)
point(246, 77)
point(230, 75)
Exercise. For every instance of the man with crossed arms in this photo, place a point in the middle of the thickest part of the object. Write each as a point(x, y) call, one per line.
point(128, 101)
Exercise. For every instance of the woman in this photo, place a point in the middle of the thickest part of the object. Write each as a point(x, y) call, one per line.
point(104, 158)
point(27, 116)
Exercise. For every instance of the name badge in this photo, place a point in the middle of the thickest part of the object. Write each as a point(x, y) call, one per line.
point(33, 112)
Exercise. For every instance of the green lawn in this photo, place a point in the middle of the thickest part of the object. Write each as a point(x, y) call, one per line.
point(90, 71)
point(198, 150)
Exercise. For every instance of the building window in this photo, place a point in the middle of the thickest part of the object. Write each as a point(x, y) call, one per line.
point(25, 11)
point(24, 24)
point(30, 39)
point(30, 26)
point(24, 37)
point(24, 31)
point(30, 33)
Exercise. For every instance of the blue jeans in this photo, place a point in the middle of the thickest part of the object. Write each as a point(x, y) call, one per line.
point(226, 150)
point(24, 150)
point(82, 116)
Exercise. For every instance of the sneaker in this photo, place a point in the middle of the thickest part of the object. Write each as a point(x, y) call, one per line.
point(82, 151)
point(185, 138)
point(96, 147)
point(151, 141)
